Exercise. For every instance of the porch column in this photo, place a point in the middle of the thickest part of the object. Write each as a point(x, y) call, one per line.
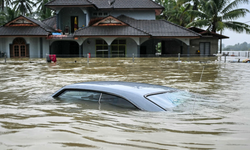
point(41, 47)
point(138, 50)
point(109, 51)
point(57, 21)
point(80, 51)
point(188, 50)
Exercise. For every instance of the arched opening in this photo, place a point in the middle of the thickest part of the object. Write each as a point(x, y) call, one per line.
point(101, 48)
point(65, 49)
point(19, 48)
point(162, 47)
point(118, 48)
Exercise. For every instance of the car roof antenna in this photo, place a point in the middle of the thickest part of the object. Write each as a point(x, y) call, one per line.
point(197, 89)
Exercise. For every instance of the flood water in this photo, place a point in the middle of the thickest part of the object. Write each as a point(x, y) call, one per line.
point(217, 119)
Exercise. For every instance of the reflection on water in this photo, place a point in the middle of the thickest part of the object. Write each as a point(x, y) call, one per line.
point(216, 119)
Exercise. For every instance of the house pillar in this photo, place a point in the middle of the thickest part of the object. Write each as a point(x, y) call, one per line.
point(80, 51)
point(188, 50)
point(138, 50)
point(41, 47)
point(57, 21)
point(109, 51)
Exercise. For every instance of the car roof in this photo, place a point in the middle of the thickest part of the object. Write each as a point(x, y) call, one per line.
point(134, 92)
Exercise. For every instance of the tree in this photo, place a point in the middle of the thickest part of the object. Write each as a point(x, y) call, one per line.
point(217, 15)
point(176, 12)
point(23, 6)
point(7, 15)
point(4, 3)
point(42, 11)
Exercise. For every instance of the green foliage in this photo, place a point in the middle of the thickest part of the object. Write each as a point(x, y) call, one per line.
point(24, 6)
point(238, 47)
point(176, 12)
point(42, 11)
point(214, 15)
point(217, 15)
point(7, 15)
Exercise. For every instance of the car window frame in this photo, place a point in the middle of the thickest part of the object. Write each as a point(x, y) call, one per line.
point(112, 94)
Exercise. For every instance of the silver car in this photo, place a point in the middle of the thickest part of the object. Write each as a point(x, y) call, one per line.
point(130, 95)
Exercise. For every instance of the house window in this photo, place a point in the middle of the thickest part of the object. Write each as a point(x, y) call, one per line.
point(204, 48)
point(118, 48)
point(101, 48)
point(19, 48)
point(100, 14)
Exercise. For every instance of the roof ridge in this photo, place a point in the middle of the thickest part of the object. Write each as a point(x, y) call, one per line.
point(38, 23)
point(49, 2)
point(157, 4)
point(133, 26)
point(181, 27)
point(48, 18)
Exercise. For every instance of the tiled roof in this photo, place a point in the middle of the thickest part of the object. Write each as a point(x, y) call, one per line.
point(41, 24)
point(204, 33)
point(68, 3)
point(109, 31)
point(126, 4)
point(23, 31)
point(40, 30)
point(50, 22)
point(159, 28)
point(154, 28)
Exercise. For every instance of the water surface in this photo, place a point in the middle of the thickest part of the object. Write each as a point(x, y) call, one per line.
point(218, 118)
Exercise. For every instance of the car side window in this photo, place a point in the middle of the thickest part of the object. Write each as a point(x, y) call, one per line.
point(98, 97)
point(116, 101)
point(81, 95)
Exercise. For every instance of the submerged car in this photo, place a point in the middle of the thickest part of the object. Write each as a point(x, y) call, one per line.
point(131, 95)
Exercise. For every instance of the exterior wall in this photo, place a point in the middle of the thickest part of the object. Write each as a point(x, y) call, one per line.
point(89, 47)
point(5, 45)
point(195, 45)
point(131, 48)
point(65, 17)
point(34, 46)
point(46, 45)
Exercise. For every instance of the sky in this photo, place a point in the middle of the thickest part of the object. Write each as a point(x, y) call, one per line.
point(234, 37)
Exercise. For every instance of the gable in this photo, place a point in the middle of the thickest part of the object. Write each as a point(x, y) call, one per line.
point(110, 21)
point(21, 22)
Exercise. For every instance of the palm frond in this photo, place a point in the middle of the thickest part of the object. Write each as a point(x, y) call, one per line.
point(233, 5)
point(235, 14)
point(237, 26)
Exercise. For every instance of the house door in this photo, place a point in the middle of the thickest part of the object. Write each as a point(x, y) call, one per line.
point(74, 23)
point(19, 48)
point(204, 48)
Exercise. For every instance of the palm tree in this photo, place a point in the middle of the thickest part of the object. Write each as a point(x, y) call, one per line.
point(42, 11)
point(4, 2)
point(23, 5)
point(7, 15)
point(217, 15)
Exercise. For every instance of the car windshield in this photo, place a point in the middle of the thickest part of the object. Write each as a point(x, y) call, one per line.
point(169, 99)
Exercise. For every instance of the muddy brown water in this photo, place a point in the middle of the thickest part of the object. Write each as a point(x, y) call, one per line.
point(217, 119)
